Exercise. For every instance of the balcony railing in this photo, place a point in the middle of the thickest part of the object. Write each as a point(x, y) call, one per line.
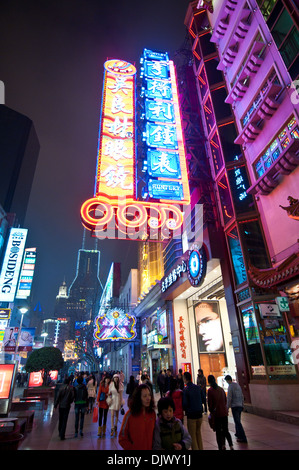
point(262, 108)
point(249, 69)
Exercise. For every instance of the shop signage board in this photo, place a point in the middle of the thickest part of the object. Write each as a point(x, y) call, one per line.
point(182, 334)
point(175, 274)
point(196, 265)
point(36, 378)
point(27, 272)
point(12, 264)
point(115, 325)
point(269, 310)
point(283, 304)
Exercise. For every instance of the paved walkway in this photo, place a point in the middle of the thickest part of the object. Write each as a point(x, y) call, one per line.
point(262, 434)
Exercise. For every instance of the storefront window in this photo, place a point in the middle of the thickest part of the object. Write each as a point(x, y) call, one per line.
point(251, 235)
point(255, 357)
point(277, 349)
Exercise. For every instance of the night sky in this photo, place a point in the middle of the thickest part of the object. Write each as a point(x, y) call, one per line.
point(51, 62)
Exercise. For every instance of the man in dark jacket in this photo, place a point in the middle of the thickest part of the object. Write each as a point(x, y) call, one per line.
point(192, 406)
point(65, 398)
point(161, 383)
point(81, 401)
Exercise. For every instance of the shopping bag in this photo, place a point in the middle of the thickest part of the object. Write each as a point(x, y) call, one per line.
point(211, 419)
point(95, 414)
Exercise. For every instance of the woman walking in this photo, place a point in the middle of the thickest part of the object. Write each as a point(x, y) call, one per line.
point(103, 406)
point(92, 392)
point(218, 408)
point(115, 397)
point(138, 425)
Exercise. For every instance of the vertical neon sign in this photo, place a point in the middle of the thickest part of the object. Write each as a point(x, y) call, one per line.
point(165, 164)
point(115, 203)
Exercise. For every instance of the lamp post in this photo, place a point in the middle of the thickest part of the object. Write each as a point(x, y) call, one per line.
point(23, 311)
point(44, 335)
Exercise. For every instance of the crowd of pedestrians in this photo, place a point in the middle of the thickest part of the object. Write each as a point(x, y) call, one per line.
point(147, 425)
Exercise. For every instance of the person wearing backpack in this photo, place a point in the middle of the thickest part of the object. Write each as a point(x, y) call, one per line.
point(81, 402)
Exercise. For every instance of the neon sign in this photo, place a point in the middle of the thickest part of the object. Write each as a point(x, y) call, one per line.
point(116, 211)
point(115, 325)
point(165, 163)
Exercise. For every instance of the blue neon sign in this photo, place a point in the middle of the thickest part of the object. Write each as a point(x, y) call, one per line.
point(165, 189)
point(162, 163)
point(160, 111)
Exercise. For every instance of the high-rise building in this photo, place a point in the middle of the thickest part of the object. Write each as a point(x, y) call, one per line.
point(19, 150)
point(245, 59)
point(86, 289)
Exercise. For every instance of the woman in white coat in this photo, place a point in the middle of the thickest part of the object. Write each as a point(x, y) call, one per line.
point(116, 388)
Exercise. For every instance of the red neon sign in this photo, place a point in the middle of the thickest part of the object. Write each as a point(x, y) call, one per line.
point(36, 378)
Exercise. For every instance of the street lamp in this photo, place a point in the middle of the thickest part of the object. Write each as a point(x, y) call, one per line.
point(44, 335)
point(23, 311)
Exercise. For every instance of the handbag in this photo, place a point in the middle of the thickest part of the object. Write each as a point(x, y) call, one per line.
point(109, 400)
point(95, 414)
point(122, 411)
point(102, 396)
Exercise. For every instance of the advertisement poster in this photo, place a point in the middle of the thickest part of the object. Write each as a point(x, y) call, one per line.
point(10, 339)
point(163, 324)
point(209, 328)
point(26, 339)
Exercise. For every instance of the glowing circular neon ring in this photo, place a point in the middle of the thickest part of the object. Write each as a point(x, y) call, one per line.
point(94, 204)
point(132, 223)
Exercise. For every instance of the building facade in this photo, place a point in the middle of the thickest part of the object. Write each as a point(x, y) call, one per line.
point(245, 62)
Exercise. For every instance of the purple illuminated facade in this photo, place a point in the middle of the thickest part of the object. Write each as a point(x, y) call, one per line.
point(245, 60)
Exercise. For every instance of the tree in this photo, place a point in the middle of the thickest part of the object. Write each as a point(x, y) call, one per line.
point(45, 360)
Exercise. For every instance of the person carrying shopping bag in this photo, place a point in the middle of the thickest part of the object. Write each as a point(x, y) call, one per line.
point(103, 405)
point(115, 401)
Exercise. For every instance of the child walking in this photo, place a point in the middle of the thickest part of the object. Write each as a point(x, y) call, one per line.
point(169, 433)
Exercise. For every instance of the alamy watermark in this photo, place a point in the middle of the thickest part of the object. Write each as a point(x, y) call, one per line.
point(189, 231)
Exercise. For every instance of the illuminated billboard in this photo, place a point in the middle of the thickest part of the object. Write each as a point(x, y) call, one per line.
point(121, 207)
point(115, 325)
point(27, 272)
point(209, 328)
point(36, 378)
point(6, 380)
point(12, 263)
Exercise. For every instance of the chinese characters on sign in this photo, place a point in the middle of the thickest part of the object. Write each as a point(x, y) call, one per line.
point(182, 343)
point(120, 209)
point(173, 276)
